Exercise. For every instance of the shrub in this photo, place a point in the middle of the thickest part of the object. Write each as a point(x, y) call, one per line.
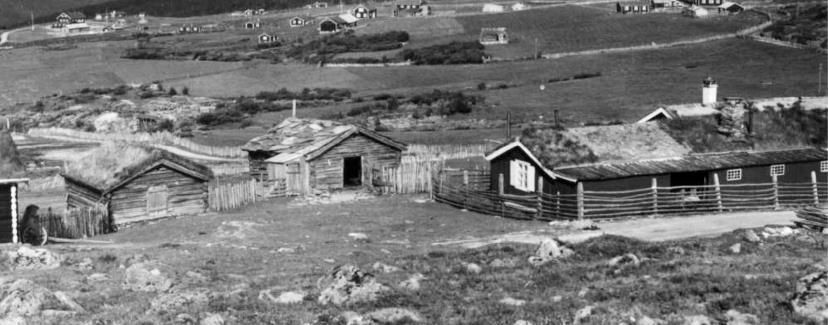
point(451, 53)
point(185, 91)
point(481, 86)
point(172, 92)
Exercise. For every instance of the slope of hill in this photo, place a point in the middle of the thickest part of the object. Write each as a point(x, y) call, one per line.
point(16, 12)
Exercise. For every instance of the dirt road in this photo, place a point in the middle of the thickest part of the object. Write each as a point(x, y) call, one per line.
point(670, 228)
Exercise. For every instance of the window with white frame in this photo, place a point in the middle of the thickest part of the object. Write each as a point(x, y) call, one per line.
point(777, 170)
point(733, 175)
point(823, 166)
point(521, 175)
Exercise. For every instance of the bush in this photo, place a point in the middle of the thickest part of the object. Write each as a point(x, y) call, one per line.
point(219, 116)
point(481, 86)
point(325, 48)
point(451, 53)
point(172, 92)
point(185, 91)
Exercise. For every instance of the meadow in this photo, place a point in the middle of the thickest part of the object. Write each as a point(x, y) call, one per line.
point(284, 245)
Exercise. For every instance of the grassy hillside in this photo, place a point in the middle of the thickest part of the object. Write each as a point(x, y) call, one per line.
point(17, 12)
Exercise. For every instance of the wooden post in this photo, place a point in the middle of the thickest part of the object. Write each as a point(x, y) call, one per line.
point(14, 214)
point(718, 191)
point(465, 189)
point(558, 204)
point(430, 182)
point(815, 187)
point(775, 192)
point(500, 184)
point(580, 201)
point(654, 186)
point(540, 197)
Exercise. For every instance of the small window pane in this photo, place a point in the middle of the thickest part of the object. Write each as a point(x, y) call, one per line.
point(823, 166)
point(777, 170)
point(734, 174)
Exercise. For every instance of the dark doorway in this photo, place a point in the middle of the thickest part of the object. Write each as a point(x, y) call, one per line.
point(692, 183)
point(352, 171)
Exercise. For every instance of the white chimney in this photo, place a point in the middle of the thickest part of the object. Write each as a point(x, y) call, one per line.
point(294, 108)
point(709, 88)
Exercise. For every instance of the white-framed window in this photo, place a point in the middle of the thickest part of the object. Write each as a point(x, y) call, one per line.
point(777, 170)
point(522, 175)
point(733, 175)
point(823, 166)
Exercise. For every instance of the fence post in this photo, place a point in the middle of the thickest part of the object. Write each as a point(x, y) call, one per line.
point(775, 192)
point(580, 201)
point(430, 181)
point(465, 189)
point(815, 187)
point(654, 186)
point(540, 197)
point(500, 184)
point(718, 190)
point(558, 204)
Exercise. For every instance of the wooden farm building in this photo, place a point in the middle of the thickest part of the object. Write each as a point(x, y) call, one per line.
point(71, 17)
point(636, 7)
point(12, 174)
point(666, 4)
point(404, 8)
point(364, 12)
point(491, 36)
point(316, 154)
point(730, 8)
point(265, 38)
point(337, 23)
point(300, 21)
point(695, 12)
point(137, 183)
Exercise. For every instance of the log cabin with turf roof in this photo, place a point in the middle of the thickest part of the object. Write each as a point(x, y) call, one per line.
point(137, 183)
point(12, 174)
point(311, 154)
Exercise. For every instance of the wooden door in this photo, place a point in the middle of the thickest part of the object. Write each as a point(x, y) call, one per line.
point(157, 201)
point(293, 179)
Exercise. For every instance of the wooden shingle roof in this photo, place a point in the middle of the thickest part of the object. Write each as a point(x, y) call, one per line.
point(310, 138)
point(691, 163)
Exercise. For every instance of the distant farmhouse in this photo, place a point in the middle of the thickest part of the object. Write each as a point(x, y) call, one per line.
point(491, 7)
point(317, 4)
point(71, 17)
point(300, 21)
point(336, 24)
point(730, 8)
point(666, 4)
point(695, 12)
point(364, 12)
point(405, 8)
point(707, 2)
point(265, 38)
point(636, 7)
point(253, 24)
point(519, 6)
point(137, 183)
point(254, 12)
point(316, 154)
point(491, 36)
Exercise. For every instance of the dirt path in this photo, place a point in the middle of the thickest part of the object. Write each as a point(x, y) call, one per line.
point(671, 228)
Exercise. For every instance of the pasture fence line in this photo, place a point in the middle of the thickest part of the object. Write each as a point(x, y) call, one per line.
point(458, 190)
point(79, 222)
point(154, 139)
point(230, 194)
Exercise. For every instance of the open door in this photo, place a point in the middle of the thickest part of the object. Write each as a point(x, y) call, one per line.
point(352, 171)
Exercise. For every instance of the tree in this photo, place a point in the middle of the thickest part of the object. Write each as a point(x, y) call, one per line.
point(173, 92)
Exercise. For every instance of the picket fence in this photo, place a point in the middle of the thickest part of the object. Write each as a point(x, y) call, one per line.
point(77, 222)
point(230, 194)
point(464, 192)
point(154, 139)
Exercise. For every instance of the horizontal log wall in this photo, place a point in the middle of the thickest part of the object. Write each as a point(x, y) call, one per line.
point(327, 169)
point(79, 195)
point(185, 195)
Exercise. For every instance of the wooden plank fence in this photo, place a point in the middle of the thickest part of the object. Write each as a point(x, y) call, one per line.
point(456, 189)
point(230, 194)
point(78, 222)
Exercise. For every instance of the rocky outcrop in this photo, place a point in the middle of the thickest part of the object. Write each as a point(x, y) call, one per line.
point(348, 284)
point(549, 250)
point(27, 258)
point(147, 277)
point(811, 296)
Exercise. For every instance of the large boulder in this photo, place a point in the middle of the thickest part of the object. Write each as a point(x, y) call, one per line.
point(549, 250)
point(348, 284)
point(147, 277)
point(394, 316)
point(27, 258)
point(811, 296)
point(24, 298)
point(734, 317)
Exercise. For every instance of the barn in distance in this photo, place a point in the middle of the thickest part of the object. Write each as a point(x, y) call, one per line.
point(311, 154)
point(137, 183)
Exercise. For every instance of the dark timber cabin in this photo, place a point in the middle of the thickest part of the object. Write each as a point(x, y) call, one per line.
point(137, 183)
point(12, 174)
point(317, 154)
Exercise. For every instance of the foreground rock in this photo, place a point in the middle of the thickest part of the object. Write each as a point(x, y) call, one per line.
point(27, 258)
point(284, 298)
point(734, 317)
point(811, 296)
point(413, 283)
point(697, 320)
point(147, 277)
point(549, 250)
point(182, 300)
point(394, 316)
point(24, 298)
point(348, 284)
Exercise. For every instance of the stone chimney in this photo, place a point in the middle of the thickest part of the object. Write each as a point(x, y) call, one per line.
point(732, 119)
